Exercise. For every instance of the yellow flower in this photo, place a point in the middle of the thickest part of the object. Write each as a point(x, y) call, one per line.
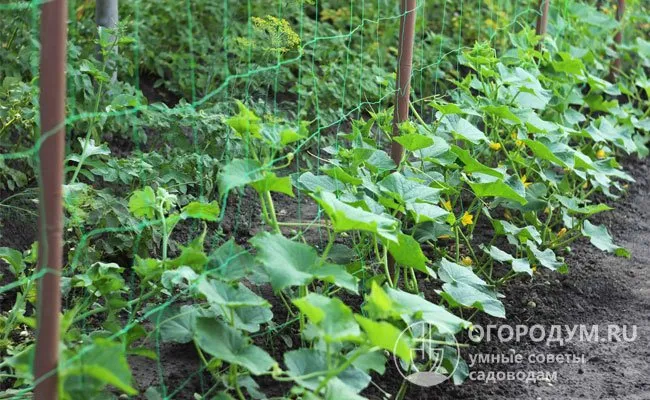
point(519, 143)
point(534, 268)
point(547, 210)
point(467, 261)
point(586, 185)
point(600, 154)
point(561, 232)
point(495, 146)
point(447, 205)
point(514, 135)
point(467, 219)
point(524, 180)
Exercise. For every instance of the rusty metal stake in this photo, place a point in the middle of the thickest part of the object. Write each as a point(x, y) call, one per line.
point(405, 57)
point(52, 117)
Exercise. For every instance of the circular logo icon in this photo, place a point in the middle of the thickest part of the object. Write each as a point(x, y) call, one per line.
point(435, 356)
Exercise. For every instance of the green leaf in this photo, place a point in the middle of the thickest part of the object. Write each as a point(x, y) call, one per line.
point(502, 112)
point(228, 344)
point(447, 108)
point(230, 262)
point(464, 287)
point(465, 130)
point(237, 304)
point(414, 141)
point(142, 203)
point(547, 258)
point(347, 218)
point(378, 305)
point(497, 188)
point(289, 263)
point(411, 305)
point(238, 173)
point(518, 264)
point(571, 204)
point(272, 183)
point(204, 211)
point(308, 367)
point(406, 190)
point(407, 252)
point(314, 183)
point(599, 237)
point(104, 361)
point(386, 336)
point(340, 174)
point(177, 324)
point(540, 150)
point(333, 318)
point(245, 122)
point(14, 258)
point(424, 212)
point(472, 164)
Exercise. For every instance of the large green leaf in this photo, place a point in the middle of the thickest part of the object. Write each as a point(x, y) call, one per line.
point(199, 210)
point(497, 188)
point(289, 263)
point(309, 366)
point(465, 130)
point(599, 237)
point(407, 190)
point(472, 164)
point(407, 251)
point(345, 217)
point(462, 286)
point(104, 361)
point(228, 344)
point(333, 319)
point(386, 336)
point(413, 306)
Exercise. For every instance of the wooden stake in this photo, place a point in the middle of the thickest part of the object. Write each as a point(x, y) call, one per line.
point(52, 118)
point(405, 57)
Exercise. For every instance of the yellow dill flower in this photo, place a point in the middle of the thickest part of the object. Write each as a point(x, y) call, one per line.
point(467, 261)
point(600, 154)
point(495, 146)
point(561, 232)
point(467, 219)
point(447, 205)
point(524, 180)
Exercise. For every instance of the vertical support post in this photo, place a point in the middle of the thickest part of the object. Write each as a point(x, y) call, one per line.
point(107, 16)
point(405, 59)
point(52, 119)
point(618, 39)
point(542, 18)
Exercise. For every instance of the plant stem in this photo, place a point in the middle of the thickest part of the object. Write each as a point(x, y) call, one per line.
point(273, 216)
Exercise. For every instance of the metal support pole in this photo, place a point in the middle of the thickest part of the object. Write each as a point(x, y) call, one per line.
point(405, 57)
point(52, 118)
